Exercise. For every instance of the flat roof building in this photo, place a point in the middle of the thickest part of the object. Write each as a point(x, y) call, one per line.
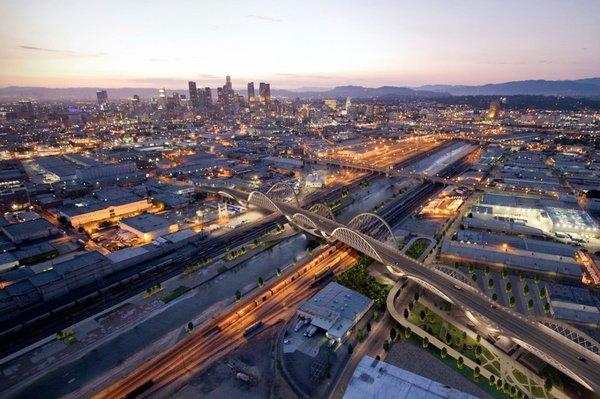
point(336, 309)
point(31, 230)
point(148, 226)
point(375, 379)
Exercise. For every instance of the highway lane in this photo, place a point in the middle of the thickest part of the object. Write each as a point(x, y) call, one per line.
point(207, 347)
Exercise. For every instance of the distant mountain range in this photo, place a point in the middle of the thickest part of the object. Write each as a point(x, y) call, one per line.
point(567, 88)
point(588, 88)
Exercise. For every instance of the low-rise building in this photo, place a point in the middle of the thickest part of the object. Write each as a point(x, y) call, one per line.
point(335, 309)
point(29, 231)
point(376, 379)
point(147, 226)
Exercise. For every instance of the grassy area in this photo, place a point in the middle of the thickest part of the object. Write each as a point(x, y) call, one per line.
point(176, 293)
point(417, 248)
point(435, 325)
point(358, 279)
point(197, 265)
point(465, 371)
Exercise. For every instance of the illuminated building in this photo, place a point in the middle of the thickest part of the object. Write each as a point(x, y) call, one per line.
point(147, 226)
point(193, 95)
point(162, 98)
point(331, 103)
point(494, 111)
point(251, 97)
point(264, 93)
point(102, 97)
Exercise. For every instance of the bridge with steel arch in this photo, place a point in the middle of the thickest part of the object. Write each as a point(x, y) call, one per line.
point(558, 345)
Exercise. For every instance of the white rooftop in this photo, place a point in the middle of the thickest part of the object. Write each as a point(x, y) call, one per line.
point(375, 379)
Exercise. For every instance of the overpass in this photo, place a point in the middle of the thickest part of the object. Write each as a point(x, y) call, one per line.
point(564, 347)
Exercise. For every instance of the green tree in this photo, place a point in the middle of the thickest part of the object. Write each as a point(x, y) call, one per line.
point(238, 295)
point(494, 297)
point(278, 271)
point(471, 268)
point(491, 283)
point(476, 373)
point(190, 326)
point(444, 352)
point(422, 315)
point(530, 304)
point(543, 293)
point(425, 342)
point(260, 282)
point(360, 336)
point(492, 380)
point(548, 385)
point(474, 277)
point(504, 273)
point(547, 307)
point(526, 289)
point(508, 287)
point(521, 276)
point(393, 333)
point(255, 242)
point(486, 271)
point(512, 301)
point(386, 345)
point(405, 313)
point(537, 279)
point(460, 362)
point(407, 333)
point(368, 327)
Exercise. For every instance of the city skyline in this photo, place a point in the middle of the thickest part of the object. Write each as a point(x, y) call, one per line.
point(375, 44)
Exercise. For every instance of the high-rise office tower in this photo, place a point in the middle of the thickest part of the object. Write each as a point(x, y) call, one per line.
point(494, 111)
point(162, 98)
point(251, 97)
point(207, 98)
point(264, 93)
point(228, 82)
point(193, 94)
point(102, 97)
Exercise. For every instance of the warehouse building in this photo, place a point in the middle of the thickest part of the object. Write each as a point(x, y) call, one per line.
point(552, 217)
point(107, 204)
point(376, 379)
point(335, 309)
point(147, 226)
point(28, 231)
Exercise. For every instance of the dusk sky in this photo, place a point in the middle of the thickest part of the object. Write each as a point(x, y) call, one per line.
point(295, 44)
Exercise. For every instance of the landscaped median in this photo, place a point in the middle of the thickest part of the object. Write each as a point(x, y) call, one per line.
point(504, 374)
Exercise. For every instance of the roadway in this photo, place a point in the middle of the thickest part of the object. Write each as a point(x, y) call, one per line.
point(557, 350)
point(273, 303)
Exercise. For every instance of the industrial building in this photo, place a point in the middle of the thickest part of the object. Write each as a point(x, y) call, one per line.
point(147, 226)
point(376, 379)
point(104, 205)
point(28, 231)
point(574, 305)
point(335, 309)
point(552, 217)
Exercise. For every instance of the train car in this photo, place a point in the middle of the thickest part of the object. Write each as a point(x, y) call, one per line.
point(140, 389)
point(253, 328)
